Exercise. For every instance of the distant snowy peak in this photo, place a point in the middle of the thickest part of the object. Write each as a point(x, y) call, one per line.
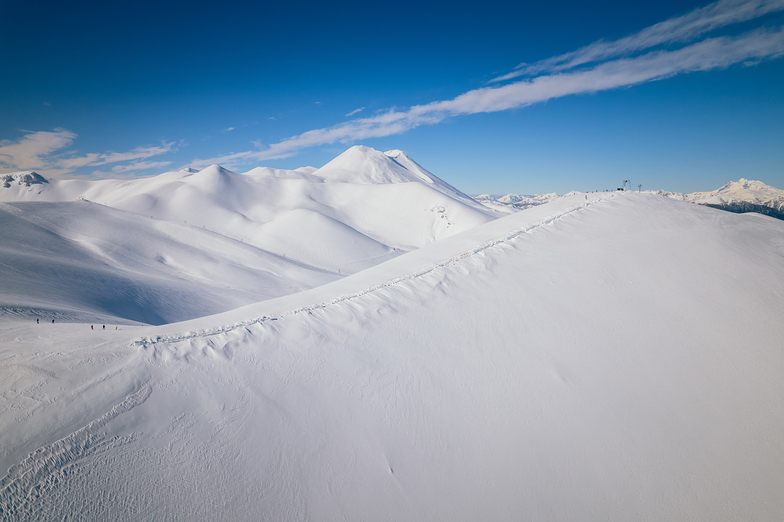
point(749, 191)
point(22, 178)
point(738, 196)
point(365, 165)
point(189, 169)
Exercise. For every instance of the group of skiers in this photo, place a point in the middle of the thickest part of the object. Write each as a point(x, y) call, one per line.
point(92, 326)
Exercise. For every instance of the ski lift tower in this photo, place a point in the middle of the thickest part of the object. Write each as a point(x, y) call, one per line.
point(639, 188)
point(624, 184)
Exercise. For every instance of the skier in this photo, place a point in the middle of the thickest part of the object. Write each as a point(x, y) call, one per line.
point(36, 321)
point(91, 327)
point(104, 327)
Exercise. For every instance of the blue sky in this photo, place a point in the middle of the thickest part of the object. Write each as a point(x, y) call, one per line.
point(492, 97)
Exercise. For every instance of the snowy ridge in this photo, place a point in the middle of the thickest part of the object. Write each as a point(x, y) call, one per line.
point(147, 341)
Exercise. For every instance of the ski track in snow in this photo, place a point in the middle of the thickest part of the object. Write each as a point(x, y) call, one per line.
point(145, 342)
point(41, 470)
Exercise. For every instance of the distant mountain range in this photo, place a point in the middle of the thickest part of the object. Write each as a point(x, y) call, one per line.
point(509, 203)
point(190, 243)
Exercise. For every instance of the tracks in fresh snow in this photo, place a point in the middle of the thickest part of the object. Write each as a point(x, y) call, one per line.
point(44, 468)
point(147, 341)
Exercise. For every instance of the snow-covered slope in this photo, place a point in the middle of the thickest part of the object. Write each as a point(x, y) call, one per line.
point(79, 261)
point(386, 197)
point(616, 357)
point(739, 196)
point(285, 230)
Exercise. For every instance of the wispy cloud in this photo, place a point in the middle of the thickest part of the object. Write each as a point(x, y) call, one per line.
point(43, 151)
point(141, 165)
point(675, 30)
point(31, 150)
point(355, 111)
point(703, 55)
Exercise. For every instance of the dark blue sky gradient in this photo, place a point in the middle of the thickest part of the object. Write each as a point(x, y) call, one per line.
point(125, 75)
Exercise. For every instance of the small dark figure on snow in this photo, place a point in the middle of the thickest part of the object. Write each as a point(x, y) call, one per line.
point(52, 321)
point(104, 327)
point(91, 327)
point(36, 321)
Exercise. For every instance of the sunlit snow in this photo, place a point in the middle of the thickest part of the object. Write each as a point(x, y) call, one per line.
point(600, 356)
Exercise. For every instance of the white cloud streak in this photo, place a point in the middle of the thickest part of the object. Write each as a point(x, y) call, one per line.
point(30, 151)
point(34, 151)
point(705, 55)
point(675, 30)
point(355, 111)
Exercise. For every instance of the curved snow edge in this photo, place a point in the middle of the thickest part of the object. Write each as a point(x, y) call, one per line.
point(147, 341)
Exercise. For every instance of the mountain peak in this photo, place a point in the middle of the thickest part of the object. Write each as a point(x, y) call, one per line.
point(22, 178)
point(751, 191)
point(366, 165)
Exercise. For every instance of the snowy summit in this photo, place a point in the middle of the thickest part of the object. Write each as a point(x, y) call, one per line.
point(739, 196)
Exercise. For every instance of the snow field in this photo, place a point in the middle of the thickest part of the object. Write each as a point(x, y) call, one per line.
point(621, 361)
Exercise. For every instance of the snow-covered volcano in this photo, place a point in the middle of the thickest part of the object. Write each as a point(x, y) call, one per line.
point(615, 356)
point(213, 240)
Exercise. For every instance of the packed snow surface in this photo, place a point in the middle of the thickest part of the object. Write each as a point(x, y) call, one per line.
point(611, 357)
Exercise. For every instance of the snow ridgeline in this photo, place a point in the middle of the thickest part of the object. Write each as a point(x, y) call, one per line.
point(149, 341)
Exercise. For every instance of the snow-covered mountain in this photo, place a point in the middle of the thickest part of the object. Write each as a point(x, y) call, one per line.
point(214, 239)
point(739, 196)
point(384, 196)
point(609, 357)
